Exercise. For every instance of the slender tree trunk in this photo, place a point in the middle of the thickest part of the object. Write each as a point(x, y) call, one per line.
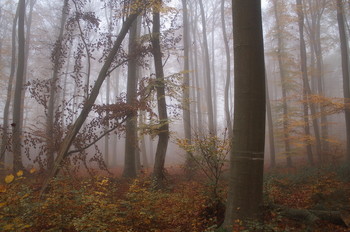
point(228, 71)
point(131, 143)
point(57, 64)
point(209, 96)
point(247, 156)
point(163, 134)
point(270, 128)
point(186, 89)
point(215, 107)
point(65, 83)
point(283, 85)
point(196, 76)
point(16, 117)
point(303, 67)
point(145, 163)
point(316, 9)
point(74, 129)
point(345, 72)
point(4, 141)
point(115, 146)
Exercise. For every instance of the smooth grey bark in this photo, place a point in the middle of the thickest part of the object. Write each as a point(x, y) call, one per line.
point(228, 70)
point(4, 139)
point(303, 68)
point(57, 64)
point(345, 72)
point(16, 116)
point(283, 83)
point(163, 133)
point(209, 96)
point(247, 156)
point(186, 89)
point(104, 72)
point(131, 141)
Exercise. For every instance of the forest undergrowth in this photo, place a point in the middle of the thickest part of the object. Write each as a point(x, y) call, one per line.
point(293, 200)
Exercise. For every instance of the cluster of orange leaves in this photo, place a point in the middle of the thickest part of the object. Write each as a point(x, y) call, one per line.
point(102, 204)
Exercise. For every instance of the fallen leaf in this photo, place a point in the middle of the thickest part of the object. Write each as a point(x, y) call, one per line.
point(9, 178)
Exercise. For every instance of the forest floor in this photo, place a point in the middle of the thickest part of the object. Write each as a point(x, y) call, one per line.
point(306, 199)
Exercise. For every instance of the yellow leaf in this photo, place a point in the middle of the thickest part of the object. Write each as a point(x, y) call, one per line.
point(2, 204)
point(9, 178)
point(32, 170)
point(19, 173)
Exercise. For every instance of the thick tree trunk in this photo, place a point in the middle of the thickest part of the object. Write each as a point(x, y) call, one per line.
point(163, 134)
point(247, 156)
point(131, 142)
point(74, 129)
point(16, 117)
point(345, 72)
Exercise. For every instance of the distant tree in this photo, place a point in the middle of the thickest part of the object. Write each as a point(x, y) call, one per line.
point(314, 12)
point(283, 76)
point(186, 86)
point(228, 69)
point(16, 116)
point(303, 68)
point(247, 156)
point(270, 128)
point(206, 63)
point(4, 139)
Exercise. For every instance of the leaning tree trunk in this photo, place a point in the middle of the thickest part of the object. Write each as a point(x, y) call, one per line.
point(247, 156)
point(5, 138)
point(16, 117)
point(104, 72)
point(163, 134)
point(345, 72)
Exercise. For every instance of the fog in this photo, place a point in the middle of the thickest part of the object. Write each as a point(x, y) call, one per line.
point(86, 41)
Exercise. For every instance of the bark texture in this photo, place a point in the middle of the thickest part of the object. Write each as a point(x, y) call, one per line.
point(247, 156)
